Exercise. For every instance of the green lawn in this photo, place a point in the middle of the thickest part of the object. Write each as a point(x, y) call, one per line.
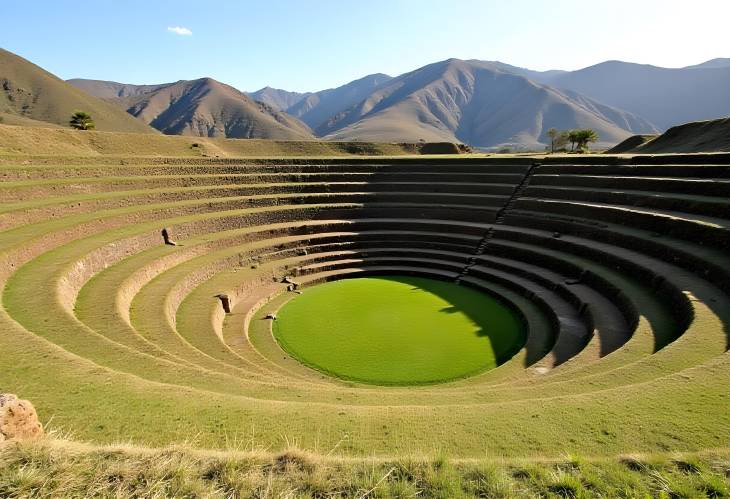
point(398, 330)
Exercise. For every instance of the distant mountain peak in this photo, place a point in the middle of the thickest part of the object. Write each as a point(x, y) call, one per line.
point(317, 109)
point(664, 96)
point(718, 62)
point(477, 103)
point(277, 98)
point(200, 107)
point(208, 107)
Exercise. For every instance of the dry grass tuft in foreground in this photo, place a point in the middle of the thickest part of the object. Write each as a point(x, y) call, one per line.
point(60, 468)
point(18, 419)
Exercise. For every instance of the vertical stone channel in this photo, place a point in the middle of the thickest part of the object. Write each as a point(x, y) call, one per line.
point(483, 245)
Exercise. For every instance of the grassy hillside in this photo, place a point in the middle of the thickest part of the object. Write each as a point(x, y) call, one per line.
point(30, 92)
point(700, 136)
point(631, 144)
point(712, 136)
point(65, 142)
point(14, 119)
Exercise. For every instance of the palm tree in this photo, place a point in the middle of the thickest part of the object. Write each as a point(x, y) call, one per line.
point(585, 136)
point(573, 138)
point(553, 133)
point(81, 120)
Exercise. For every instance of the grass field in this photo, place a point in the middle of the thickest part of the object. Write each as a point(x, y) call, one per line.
point(56, 142)
point(619, 271)
point(398, 330)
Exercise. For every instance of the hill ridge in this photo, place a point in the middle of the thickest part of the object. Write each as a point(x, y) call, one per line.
point(472, 102)
point(208, 108)
point(608, 96)
point(29, 92)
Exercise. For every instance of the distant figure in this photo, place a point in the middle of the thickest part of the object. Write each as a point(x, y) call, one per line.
point(225, 302)
point(270, 316)
point(292, 283)
point(166, 238)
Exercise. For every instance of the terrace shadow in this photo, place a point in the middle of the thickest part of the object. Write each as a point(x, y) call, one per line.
point(507, 337)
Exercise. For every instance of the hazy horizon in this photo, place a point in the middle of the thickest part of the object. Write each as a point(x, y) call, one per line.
point(309, 47)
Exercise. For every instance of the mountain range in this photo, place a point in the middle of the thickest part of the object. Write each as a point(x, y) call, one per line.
point(486, 104)
point(317, 109)
point(480, 103)
point(666, 97)
point(471, 102)
point(208, 108)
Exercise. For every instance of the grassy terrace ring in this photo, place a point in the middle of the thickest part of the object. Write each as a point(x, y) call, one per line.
point(398, 330)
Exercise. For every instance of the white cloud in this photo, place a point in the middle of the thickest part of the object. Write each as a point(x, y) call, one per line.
point(179, 30)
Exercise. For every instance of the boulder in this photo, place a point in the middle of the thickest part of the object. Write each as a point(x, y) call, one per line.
point(18, 419)
point(290, 281)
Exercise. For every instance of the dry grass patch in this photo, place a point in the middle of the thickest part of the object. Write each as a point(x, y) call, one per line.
point(56, 468)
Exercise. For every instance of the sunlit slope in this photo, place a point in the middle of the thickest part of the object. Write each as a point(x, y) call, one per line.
point(200, 108)
point(474, 103)
point(30, 92)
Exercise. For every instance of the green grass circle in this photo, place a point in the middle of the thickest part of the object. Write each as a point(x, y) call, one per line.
point(398, 330)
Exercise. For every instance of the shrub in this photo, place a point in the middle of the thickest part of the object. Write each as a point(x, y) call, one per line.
point(81, 120)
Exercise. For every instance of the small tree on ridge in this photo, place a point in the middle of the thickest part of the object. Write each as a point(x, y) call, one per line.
point(553, 133)
point(558, 139)
point(81, 120)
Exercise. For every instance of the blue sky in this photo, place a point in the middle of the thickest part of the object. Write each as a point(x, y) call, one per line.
point(316, 44)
